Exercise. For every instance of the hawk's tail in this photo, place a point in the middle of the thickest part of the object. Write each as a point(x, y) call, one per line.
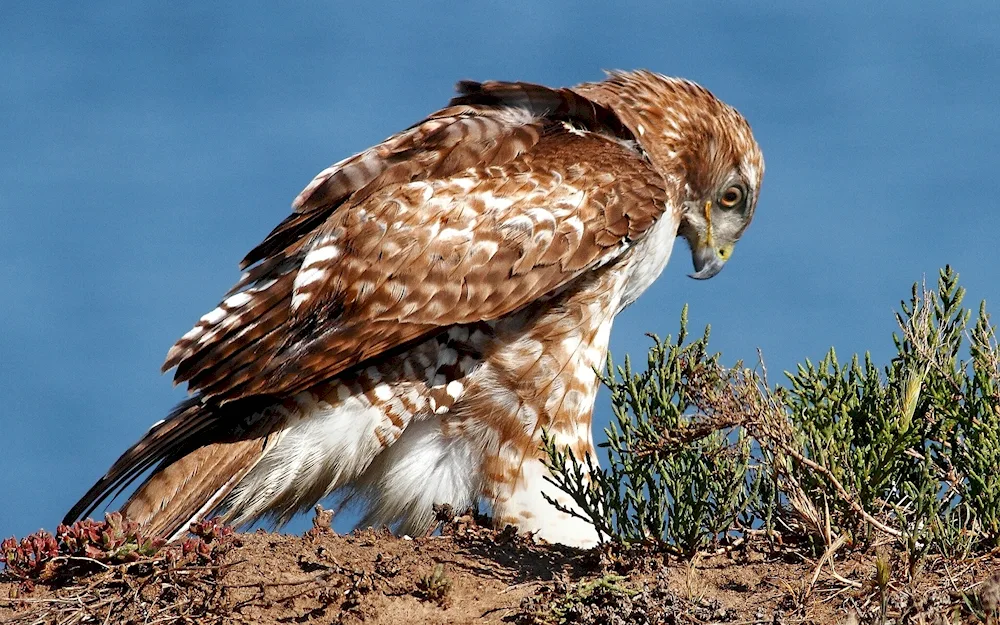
point(200, 452)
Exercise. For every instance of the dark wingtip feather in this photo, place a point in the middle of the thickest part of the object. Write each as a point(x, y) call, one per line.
point(189, 416)
point(471, 92)
point(291, 230)
point(465, 87)
point(561, 104)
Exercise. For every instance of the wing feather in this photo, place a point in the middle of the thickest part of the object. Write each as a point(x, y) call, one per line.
point(502, 198)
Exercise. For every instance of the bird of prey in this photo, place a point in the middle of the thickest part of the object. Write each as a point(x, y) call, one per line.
point(436, 302)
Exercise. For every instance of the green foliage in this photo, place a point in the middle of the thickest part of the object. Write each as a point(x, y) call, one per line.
point(570, 602)
point(670, 477)
point(975, 439)
point(912, 449)
point(434, 586)
point(917, 442)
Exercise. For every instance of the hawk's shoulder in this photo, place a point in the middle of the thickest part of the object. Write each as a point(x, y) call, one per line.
point(506, 195)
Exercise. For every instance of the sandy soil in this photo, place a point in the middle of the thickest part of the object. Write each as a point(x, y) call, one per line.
point(474, 575)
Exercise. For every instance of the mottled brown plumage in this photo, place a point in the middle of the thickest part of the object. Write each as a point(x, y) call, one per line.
point(435, 302)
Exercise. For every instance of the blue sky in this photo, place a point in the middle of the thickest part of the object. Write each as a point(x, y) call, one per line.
point(145, 150)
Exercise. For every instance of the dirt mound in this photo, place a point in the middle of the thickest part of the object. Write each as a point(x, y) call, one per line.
point(478, 575)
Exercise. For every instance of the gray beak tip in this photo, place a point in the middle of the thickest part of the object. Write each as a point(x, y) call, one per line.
point(704, 274)
point(706, 264)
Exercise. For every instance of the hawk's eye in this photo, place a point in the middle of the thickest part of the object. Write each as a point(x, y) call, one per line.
point(732, 197)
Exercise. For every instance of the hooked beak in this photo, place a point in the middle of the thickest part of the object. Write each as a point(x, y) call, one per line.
point(708, 259)
point(707, 262)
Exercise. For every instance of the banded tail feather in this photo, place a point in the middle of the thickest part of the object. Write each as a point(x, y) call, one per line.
point(197, 455)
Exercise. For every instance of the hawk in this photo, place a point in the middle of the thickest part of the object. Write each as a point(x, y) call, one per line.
point(434, 303)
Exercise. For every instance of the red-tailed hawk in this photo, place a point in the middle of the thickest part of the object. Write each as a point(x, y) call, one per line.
point(436, 301)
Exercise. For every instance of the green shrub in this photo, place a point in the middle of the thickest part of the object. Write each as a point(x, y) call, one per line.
point(678, 473)
point(845, 451)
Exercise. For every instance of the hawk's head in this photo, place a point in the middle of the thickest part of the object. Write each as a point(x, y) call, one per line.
point(703, 148)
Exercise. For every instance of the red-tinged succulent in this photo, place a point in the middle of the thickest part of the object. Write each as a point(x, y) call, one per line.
point(205, 532)
point(211, 529)
point(115, 540)
point(30, 557)
point(196, 546)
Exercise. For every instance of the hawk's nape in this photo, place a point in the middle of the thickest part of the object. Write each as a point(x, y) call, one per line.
point(436, 301)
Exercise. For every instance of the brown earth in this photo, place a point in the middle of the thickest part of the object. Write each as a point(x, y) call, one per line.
point(474, 575)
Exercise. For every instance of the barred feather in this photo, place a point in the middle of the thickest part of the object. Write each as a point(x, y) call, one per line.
point(436, 301)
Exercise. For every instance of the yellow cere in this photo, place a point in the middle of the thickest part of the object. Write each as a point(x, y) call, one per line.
point(708, 223)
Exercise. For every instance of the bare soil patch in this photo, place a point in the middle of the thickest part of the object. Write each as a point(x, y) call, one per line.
point(475, 575)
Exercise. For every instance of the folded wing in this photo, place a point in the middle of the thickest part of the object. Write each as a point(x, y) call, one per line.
point(502, 198)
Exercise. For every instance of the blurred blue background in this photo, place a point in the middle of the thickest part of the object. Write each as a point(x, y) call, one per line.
point(144, 150)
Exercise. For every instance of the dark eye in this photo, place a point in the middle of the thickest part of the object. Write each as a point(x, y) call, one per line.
point(732, 196)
